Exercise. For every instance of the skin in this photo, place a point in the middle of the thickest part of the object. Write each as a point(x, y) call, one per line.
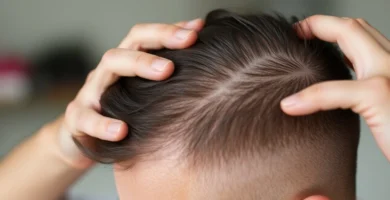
point(369, 53)
point(52, 143)
point(369, 96)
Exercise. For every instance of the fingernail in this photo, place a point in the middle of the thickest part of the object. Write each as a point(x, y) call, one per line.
point(191, 23)
point(290, 101)
point(114, 127)
point(160, 64)
point(182, 34)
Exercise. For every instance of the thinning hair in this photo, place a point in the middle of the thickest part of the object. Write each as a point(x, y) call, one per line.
point(221, 108)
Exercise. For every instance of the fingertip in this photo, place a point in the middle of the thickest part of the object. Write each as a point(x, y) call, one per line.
point(295, 106)
point(161, 69)
point(191, 39)
point(116, 130)
point(184, 38)
point(122, 133)
point(290, 101)
point(303, 29)
point(160, 64)
point(289, 110)
point(298, 110)
point(180, 38)
point(196, 24)
point(167, 72)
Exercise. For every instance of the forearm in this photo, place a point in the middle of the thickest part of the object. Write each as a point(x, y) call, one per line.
point(35, 170)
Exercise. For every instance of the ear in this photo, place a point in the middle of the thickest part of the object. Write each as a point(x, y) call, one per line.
point(317, 197)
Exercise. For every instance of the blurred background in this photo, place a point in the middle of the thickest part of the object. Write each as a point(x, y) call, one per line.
point(47, 47)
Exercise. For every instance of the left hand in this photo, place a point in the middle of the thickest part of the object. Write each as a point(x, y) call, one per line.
point(82, 115)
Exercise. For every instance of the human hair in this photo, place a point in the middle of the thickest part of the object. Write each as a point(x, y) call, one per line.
point(220, 112)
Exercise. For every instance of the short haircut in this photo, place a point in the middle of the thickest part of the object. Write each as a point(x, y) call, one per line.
point(221, 108)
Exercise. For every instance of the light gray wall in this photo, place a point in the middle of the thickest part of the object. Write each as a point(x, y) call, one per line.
point(373, 168)
point(27, 25)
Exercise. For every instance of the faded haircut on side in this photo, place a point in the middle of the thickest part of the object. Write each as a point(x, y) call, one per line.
point(220, 112)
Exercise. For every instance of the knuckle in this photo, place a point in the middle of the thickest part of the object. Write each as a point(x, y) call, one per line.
point(90, 75)
point(100, 126)
point(70, 109)
point(82, 96)
point(312, 93)
point(168, 29)
point(109, 55)
point(135, 28)
point(85, 119)
point(139, 58)
point(353, 24)
point(132, 35)
point(314, 18)
point(317, 90)
point(71, 115)
point(135, 45)
point(362, 21)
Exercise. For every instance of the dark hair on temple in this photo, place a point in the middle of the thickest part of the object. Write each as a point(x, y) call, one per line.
point(223, 101)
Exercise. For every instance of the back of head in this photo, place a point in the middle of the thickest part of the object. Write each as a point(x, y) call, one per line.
point(220, 114)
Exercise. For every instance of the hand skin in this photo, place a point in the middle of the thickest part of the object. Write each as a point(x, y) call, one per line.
point(369, 53)
point(46, 164)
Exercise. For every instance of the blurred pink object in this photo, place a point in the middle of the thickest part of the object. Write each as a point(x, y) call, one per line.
point(14, 79)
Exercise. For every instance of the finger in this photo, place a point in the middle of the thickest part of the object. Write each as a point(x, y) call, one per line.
point(356, 95)
point(157, 36)
point(196, 24)
point(122, 62)
point(90, 75)
point(87, 121)
point(355, 42)
point(181, 24)
point(369, 98)
point(325, 96)
point(382, 40)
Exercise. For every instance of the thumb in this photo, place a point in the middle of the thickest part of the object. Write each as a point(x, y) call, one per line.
point(325, 96)
point(370, 98)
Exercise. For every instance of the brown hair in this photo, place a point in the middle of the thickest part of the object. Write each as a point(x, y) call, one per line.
point(222, 105)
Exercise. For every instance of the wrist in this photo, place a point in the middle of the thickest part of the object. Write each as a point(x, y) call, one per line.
point(55, 137)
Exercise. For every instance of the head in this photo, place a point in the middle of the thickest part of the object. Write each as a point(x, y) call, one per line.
point(215, 129)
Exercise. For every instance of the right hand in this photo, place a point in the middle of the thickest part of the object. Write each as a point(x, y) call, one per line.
point(369, 53)
point(82, 115)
